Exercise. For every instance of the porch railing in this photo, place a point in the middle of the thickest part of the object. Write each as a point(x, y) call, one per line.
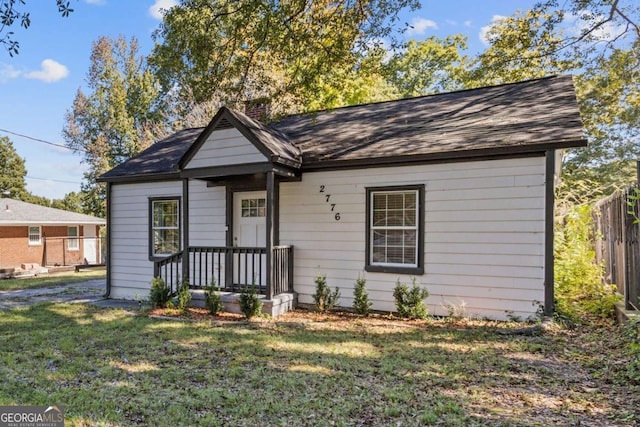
point(230, 268)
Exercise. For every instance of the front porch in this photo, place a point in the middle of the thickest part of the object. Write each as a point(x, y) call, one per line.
point(231, 269)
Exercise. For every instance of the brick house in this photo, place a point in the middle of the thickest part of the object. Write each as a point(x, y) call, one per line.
point(33, 235)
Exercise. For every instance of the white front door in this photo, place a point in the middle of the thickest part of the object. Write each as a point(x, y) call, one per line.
point(90, 244)
point(249, 231)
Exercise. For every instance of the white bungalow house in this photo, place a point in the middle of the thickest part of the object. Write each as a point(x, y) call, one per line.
point(454, 190)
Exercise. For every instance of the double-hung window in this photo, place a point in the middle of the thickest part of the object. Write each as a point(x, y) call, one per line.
point(395, 220)
point(73, 244)
point(164, 226)
point(35, 235)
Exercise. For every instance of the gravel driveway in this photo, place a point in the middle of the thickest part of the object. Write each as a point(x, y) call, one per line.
point(90, 291)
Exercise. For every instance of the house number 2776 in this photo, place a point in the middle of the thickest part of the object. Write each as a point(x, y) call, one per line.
point(327, 199)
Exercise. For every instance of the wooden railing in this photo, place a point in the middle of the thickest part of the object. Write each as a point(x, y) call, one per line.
point(230, 268)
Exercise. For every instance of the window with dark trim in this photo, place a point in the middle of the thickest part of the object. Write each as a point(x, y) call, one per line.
point(395, 237)
point(164, 226)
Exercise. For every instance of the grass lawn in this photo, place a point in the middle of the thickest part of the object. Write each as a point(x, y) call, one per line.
point(109, 368)
point(50, 280)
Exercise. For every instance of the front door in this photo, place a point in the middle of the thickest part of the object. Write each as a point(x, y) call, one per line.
point(249, 231)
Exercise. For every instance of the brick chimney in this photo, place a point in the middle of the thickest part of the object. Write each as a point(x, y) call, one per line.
point(257, 109)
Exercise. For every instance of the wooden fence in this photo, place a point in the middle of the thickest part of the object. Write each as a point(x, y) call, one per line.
point(618, 243)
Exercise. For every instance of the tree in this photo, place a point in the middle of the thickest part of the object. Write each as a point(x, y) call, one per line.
point(428, 66)
point(12, 171)
point(71, 202)
point(10, 14)
point(231, 51)
point(111, 124)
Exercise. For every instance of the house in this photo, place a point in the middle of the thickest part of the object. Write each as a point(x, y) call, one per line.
point(33, 236)
point(454, 190)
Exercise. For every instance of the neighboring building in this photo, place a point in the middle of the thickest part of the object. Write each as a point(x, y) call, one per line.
point(33, 235)
point(454, 190)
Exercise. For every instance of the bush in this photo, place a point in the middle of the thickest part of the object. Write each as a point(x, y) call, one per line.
point(212, 299)
point(580, 291)
point(184, 295)
point(160, 294)
point(250, 304)
point(361, 303)
point(410, 302)
point(324, 299)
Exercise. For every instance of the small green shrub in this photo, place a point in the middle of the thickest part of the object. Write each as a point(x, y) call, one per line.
point(159, 294)
point(410, 302)
point(323, 298)
point(184, 295)
point(580, 292)
point(250, 303)
point(361, 303)
point(212, 299)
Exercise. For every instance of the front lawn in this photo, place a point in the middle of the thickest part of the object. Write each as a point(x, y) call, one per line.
point(50, 280)
point(110, 368)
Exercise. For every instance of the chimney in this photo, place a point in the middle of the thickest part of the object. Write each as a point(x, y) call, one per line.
point(257, 109)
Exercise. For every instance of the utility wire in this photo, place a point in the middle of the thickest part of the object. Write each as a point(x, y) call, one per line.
point(41, 140)
point(54, 180)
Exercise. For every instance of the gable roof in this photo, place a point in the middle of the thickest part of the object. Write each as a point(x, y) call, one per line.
point(273, 144)
point(16, 212)
point(517, 118)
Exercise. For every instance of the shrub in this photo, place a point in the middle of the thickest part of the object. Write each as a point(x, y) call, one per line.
point(160, 294)
point(410, 302)
point(212, 299)
point(184, 295)
point(250, 304)
point(361, 303)
point(324, 299)
point(580, 291)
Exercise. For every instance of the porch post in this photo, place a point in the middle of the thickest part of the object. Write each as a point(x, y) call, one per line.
point(185, 230)
point(271, 228)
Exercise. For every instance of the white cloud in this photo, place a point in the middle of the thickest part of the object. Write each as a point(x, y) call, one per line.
point(420, 25)
point(50, 71)
point(8, 72)
point(608, 31)
point(484, 30)
point(468, 23)
point(96, 2)
point(158, 8)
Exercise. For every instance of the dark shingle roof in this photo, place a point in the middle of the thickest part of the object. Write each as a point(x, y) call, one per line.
point(530, 116)
point(18, 212)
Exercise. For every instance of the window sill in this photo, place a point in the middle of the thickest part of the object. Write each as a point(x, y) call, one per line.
point(418, 271)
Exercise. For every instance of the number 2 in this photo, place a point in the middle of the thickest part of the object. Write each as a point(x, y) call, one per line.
point(322, 188)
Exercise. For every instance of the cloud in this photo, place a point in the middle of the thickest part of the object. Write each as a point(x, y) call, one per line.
point(160, 6)
point(420, 25)
point(8, 72)
point(50, 71)
point(608, 31)
point(96, 2)
point(485, 30)
point(468, 23)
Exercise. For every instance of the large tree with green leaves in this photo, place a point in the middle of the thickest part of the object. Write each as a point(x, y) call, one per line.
point(12, 171)
point(111, 123)
point(280, 49)
point(12, 12)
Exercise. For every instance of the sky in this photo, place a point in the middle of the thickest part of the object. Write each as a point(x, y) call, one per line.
point(37, 86)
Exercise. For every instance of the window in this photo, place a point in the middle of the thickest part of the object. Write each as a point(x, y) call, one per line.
point(73, 244)
point(395, 220)
point(165, 226)
point(254, 208)
point(35, 235)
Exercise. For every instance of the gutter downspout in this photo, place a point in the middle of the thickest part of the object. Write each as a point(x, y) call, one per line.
point(107, 292)
point(550, 160)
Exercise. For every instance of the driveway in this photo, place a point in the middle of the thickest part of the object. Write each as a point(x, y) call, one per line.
point(91, 291)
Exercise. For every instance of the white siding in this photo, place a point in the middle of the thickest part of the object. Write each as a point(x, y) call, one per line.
point(225, 147)
point(130, 269)
point(484, 234)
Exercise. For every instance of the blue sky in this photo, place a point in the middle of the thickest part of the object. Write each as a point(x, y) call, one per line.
point(38, 86)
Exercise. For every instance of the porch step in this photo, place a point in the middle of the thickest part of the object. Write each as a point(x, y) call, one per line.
point(274, 307)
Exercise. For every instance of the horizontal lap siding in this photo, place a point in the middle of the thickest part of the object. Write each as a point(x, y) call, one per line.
point(225, 147)
point(484, 234)
point(130, 269)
